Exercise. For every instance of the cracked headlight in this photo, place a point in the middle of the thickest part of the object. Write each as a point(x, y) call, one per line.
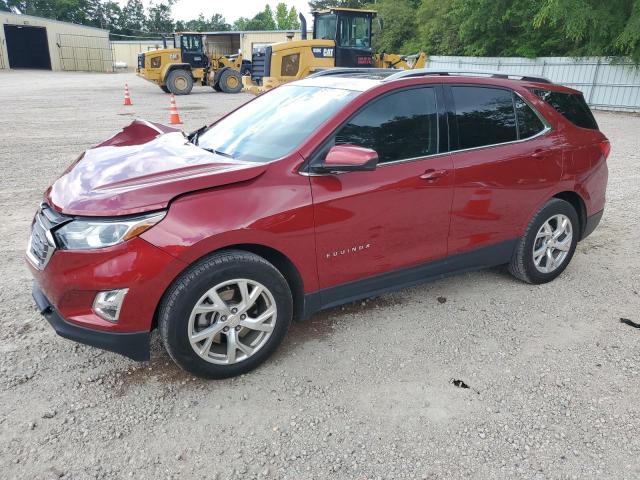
point(89, 233)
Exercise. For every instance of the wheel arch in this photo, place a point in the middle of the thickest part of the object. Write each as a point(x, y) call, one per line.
point(278, 259)
point(578, 203)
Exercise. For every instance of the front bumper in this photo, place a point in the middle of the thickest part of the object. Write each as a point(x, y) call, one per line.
point(134, 345)
point(71, 280)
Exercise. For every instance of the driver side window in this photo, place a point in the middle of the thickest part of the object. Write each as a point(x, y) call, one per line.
point(399, 126)
point(191, 44)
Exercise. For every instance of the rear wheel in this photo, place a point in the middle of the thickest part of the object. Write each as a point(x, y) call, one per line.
point(179, 82)
point(548, 244)
point(225, 315)
point(230, 81)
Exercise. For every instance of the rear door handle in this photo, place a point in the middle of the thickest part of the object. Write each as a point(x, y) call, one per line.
point(432, 174)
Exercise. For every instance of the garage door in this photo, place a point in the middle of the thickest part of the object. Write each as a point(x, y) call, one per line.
point(27, 47)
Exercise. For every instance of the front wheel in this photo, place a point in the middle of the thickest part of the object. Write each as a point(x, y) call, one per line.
point(548, 244)
point(180, 82)
point(225, 315)
point(230, 81)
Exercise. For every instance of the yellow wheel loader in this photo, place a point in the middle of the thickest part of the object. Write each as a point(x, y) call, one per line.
point(175, 70)
point(341, 38)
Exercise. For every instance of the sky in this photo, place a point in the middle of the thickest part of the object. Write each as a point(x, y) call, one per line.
point(230, 9)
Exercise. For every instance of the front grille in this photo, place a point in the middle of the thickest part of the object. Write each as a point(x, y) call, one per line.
point(41, 243)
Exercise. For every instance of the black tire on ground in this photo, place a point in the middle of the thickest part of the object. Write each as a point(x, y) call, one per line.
point(180, 82)
point(164, 89)
point(230, 81)
point(522, 265)
point(181, 298)
point(216, 87)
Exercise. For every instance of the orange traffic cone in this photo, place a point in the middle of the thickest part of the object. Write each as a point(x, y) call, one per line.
point(174, 118)
point(127, 97)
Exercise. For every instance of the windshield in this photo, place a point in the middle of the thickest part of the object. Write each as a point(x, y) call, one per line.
point(274, 124)
point(325, 27)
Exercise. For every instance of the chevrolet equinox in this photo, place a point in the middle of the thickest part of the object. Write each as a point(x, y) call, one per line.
point(338, 187)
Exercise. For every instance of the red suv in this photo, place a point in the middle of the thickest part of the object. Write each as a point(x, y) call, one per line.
point(345, 185)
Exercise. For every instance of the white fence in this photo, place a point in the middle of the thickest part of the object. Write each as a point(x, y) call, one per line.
point(605, 84)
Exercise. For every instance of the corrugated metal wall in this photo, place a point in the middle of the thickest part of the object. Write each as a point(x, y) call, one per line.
point(605, 84)
point(126, 52)
point(88, 53)
point(71, 46)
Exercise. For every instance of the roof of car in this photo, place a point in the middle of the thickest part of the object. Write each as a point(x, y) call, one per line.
point(361, 79)
point(357, 83)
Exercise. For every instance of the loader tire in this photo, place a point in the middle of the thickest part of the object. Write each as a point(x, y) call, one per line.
point(230, 81)
point(180, 82)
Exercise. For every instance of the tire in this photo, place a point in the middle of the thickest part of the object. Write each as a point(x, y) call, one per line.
point(180, 82)
point(230, 81)
point(165, 89)
point(216, 87)
point(184, 315)
point(528, 263)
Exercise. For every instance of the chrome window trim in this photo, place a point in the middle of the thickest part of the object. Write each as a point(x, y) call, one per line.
point(402, 160)
point(547, 128)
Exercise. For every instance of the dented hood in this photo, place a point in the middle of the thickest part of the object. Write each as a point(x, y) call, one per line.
point(141, 169)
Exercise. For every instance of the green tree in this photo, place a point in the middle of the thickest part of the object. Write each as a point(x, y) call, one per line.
point(159, 18)
point(286, 19)
point(216, 23)
point(593, 27)
point(399, 25)
point(133, 19)
point(262, 21)
point(293, 22)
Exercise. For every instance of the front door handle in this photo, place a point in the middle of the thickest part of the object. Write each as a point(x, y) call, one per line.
point(432, 174)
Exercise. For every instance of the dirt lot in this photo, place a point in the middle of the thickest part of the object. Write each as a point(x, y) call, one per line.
point(360, 392)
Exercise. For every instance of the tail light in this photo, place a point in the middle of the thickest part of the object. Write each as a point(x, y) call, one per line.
point(605, 148)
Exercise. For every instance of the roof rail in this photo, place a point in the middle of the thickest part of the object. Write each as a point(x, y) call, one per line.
point(382, 72)
point(420, 72)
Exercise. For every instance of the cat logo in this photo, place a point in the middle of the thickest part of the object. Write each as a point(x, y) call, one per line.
point(322, 52)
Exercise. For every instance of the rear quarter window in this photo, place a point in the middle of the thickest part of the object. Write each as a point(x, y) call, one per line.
point(571, 106)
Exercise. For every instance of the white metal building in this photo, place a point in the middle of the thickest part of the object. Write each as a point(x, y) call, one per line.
point(41, 43)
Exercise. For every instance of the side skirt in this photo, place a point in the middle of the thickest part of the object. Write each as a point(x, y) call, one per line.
point(484, 257)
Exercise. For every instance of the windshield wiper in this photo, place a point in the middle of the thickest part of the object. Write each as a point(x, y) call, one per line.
point(195, 135)
point(217, 152)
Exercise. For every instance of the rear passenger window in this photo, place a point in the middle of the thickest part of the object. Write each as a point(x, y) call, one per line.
point(570, 106)
point(399, 126)
point(528, 122)
point(485, 116)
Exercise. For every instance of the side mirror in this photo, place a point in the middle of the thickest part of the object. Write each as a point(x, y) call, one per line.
point(350, 158)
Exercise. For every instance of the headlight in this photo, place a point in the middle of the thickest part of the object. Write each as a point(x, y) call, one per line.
point(85, 234)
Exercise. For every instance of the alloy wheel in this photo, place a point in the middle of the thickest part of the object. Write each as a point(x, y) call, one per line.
point(552, 243)
point(232, 321)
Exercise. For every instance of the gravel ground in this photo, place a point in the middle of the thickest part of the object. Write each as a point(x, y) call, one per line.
point(360, 392)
